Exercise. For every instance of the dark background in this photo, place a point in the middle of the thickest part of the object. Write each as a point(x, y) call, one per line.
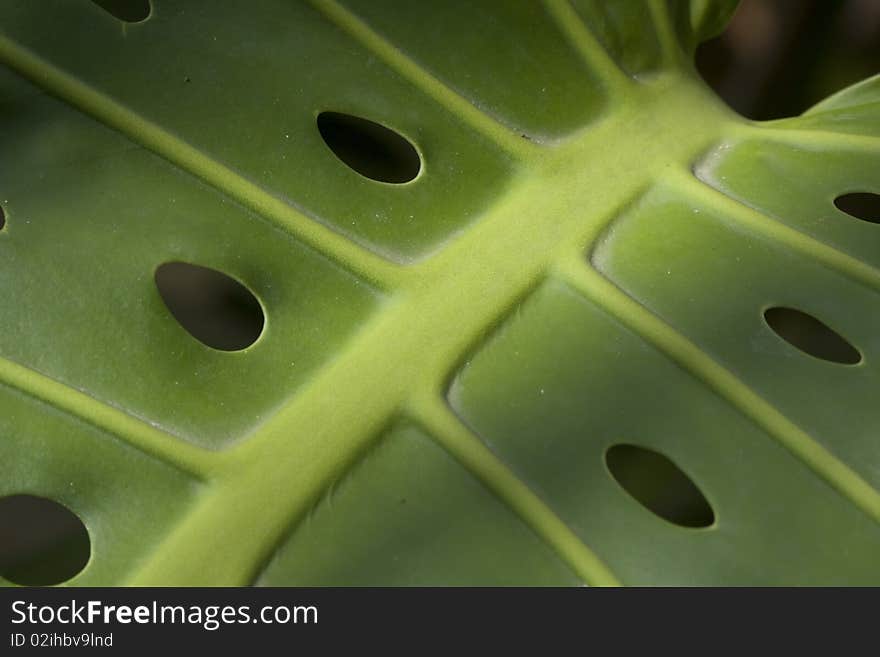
point(777, 58)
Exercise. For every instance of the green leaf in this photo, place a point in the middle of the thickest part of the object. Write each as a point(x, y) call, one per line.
point(586, 257)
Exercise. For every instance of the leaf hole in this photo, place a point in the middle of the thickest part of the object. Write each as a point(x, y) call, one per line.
point(659, 485)
point(861, 205)
point(2, 217)
point(42, 542)
point(811, 336)
point(127, 11)
point(372, 150)
point(214, 308)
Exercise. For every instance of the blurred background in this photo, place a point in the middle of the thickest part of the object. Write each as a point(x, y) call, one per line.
point(777, 58)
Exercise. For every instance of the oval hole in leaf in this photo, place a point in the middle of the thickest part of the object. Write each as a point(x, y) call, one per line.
point(861, 205)
point(811, 336)
point(659, 485)
point(213, 307)
point(128, 11)
point(2, 218)
point(41, 541)
point(372, 150)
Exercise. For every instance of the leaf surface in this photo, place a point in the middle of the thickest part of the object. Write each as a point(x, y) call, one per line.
point(584, 259)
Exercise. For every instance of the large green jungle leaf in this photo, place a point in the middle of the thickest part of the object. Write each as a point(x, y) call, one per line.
point(536, 307)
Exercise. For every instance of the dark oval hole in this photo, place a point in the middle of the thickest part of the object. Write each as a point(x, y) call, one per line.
point(41, 542)
point(659, 485)
point(370, 149)
point(128, 11)
point(811, 336)
point(2, 218)
point(213, 307)
point(861, 205)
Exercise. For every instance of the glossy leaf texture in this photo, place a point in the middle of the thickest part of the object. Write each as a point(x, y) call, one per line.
point(523, 233)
